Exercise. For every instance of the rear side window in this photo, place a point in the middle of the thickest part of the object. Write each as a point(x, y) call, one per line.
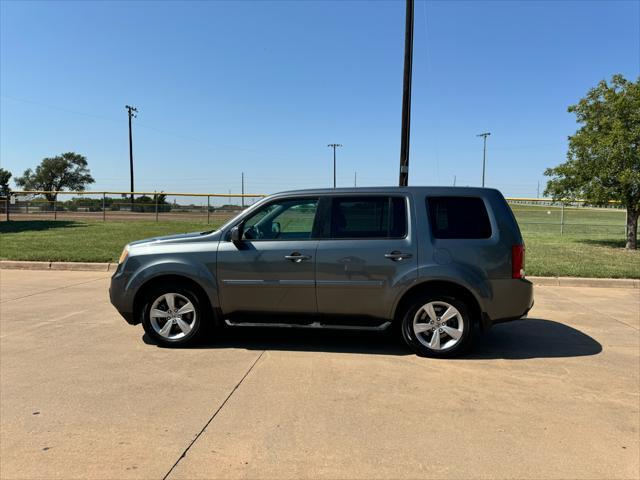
point(458, 217)
point(368, 217)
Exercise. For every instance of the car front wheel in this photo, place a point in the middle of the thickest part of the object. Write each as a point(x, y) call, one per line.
point(173, 315)
point(438, 326)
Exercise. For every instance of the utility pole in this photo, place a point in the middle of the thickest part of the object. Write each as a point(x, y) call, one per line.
point(334, 145)
point(133, 113)
point(406, 96)
point(538, 196)
point(355, 179)
point(243, 190)
point(484, 153)
point(454, 180)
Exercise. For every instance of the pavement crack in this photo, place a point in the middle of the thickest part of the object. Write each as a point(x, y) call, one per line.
point(184, 454)
point(51, 290)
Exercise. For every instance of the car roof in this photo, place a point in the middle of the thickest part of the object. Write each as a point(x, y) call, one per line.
point(430, 190)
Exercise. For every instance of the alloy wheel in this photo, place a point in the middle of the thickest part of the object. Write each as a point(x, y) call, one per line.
point(438, 325)
point(172, 316)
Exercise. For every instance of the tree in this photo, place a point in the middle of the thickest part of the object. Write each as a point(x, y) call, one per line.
point(144, 203)
point(5, 176)
point(68, 170)
point(603, 161)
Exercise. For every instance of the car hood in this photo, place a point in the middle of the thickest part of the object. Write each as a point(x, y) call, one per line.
point(178, 238)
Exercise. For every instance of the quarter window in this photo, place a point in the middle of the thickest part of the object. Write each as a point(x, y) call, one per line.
point(458, 217)
point(282, 220)
point(368, 217)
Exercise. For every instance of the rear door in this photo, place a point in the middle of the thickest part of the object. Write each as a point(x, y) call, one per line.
point(366, 254)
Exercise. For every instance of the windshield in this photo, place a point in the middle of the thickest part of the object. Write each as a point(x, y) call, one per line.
point(234, 219)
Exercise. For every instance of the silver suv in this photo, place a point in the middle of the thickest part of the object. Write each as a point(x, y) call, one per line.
point(436, 261)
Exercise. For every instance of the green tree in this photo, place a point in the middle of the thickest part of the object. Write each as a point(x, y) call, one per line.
point(603, 161)
point(5, 176)
point(68, 170)
point(144, 203)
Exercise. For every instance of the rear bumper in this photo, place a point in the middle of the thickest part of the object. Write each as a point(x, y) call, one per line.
point(511, 319)
point(512, 300)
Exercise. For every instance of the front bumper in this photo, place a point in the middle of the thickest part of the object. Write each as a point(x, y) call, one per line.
point(120, 299)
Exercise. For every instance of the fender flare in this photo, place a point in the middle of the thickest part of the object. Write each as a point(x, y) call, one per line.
point(456, 275)
point(193, 271)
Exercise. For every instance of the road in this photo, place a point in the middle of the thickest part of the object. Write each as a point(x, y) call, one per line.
point(84, 395)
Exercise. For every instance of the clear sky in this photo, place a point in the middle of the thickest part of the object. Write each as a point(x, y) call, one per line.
point(263, 87)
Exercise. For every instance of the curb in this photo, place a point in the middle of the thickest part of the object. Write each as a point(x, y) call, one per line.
point(585, 282)
point(69, 266)
point(539, 281)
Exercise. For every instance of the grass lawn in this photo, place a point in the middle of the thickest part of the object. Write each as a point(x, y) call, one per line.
point(548, 254)
point(74, 241)
point(578, 256)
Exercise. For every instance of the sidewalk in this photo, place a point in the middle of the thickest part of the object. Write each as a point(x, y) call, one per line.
point(111, 267)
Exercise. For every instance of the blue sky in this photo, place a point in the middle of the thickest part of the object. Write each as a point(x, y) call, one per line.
point(263, 87)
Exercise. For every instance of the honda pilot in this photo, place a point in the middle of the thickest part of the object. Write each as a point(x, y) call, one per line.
point(439, 262)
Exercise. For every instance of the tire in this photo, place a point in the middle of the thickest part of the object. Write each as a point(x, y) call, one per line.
point(186, 328)
point(428, 311)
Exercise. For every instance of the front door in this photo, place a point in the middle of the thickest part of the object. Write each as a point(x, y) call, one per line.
point(271, 272)
point(369, 256)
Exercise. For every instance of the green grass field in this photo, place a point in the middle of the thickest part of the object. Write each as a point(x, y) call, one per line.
point(75, 241)
point(577, 221)
point(592, 244)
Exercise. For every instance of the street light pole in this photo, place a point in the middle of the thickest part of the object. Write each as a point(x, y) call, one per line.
point(334, 145)
point(484, 153)
point(132, 112)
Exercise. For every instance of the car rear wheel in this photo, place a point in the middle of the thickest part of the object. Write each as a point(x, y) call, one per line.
point(437, 325)
point(173, 315)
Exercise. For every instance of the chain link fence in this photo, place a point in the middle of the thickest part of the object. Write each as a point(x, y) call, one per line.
point(120, 206)
point(535, 216)
point(544, 216)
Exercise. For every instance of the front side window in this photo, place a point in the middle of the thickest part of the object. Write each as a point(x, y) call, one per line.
point(282, 220)
point(458, 217)
point(368, 217)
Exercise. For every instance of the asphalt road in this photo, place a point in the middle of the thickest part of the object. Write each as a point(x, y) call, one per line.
point(83, 395)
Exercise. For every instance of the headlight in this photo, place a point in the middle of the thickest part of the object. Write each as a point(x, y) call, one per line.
point(123, 255)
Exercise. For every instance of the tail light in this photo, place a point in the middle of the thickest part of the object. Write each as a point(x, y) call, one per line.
point(517, 261)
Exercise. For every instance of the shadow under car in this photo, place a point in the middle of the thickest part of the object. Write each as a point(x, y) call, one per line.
point(520, 339)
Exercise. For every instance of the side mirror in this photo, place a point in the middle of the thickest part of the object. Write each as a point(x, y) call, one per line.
point(236, 234)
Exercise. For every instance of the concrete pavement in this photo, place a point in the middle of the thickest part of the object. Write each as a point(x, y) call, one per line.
point(83, 395)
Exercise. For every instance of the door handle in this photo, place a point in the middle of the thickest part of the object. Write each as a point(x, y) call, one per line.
point(397, 256)
point(297, 257)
